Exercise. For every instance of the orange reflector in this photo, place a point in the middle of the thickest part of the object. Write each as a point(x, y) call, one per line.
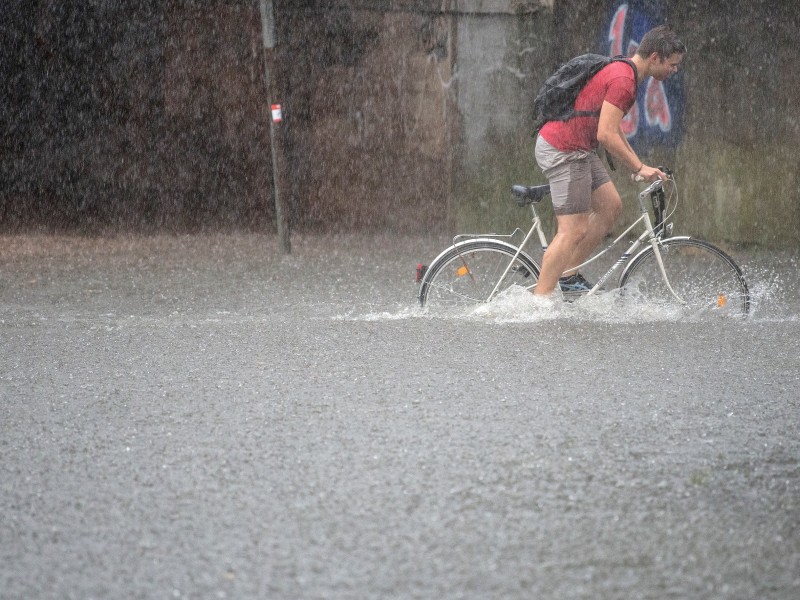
point(461, 271)
point(721, 301)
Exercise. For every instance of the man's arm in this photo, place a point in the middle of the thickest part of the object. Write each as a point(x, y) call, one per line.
point(609, 134)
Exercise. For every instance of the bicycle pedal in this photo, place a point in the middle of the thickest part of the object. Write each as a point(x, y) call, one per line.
point(573, 296)
point(522, 271)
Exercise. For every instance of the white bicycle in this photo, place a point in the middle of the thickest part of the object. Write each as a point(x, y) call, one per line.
point(682, 270)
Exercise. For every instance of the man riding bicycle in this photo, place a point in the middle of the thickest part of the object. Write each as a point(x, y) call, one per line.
point(585, 201)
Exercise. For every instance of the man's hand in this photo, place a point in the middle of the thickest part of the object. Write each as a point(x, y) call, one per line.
point(649, 174)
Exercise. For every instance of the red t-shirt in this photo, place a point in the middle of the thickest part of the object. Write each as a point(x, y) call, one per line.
point(615, 83)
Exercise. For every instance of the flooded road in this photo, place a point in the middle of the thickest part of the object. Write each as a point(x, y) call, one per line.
point(202, 417)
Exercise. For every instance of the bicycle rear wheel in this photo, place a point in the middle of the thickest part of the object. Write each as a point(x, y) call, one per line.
point(702, 275)
point(467, 273)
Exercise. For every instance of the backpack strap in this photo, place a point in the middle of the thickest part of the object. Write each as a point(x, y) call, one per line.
point(625, 59)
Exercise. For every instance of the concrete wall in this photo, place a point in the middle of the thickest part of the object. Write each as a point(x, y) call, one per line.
point(138, 114)
point(740, 152)
point(370, 117)
point(398, 107)
point(495, 63)
point(409, 115)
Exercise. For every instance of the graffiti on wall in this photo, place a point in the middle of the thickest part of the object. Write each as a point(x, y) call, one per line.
point(656, 117)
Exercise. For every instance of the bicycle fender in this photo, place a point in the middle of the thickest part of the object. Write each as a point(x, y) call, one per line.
point(465, 246)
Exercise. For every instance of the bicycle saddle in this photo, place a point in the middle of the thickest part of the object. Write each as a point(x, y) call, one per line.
point(528, 194)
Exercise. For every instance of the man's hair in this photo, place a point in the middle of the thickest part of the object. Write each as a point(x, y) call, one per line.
point(661, 40)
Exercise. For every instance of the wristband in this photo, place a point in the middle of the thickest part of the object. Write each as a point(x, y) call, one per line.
point(639, 169)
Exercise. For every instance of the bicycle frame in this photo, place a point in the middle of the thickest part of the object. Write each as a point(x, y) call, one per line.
point(653, 234)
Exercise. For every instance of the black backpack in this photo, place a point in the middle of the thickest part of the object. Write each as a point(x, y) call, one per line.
point(555, 100)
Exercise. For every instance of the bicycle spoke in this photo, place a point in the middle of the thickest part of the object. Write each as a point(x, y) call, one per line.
point(703, 277)
point(468, 274)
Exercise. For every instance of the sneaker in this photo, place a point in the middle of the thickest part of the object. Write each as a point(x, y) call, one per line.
point(574, 283)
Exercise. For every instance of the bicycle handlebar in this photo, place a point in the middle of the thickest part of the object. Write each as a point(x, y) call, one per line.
point(638, 178)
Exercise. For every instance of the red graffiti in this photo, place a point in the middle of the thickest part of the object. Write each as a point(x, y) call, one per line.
point(617, 29)
point(630, 122)
point(657, 113)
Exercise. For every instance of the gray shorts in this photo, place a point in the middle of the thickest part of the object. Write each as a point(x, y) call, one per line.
point(573, 176)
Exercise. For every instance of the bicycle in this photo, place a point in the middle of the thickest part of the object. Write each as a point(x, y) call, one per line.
point(683, 270)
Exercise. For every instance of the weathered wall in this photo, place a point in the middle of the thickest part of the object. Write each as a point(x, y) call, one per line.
point(740, 151)
point(497, 54)
point(397, 107)
point(369, 115)
point(138, 114)
point(213, 86)
point(399, 114)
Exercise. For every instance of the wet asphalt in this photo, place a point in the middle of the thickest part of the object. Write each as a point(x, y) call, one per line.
point(203, 417)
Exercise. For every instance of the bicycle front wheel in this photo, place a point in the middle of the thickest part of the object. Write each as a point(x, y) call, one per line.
point(467, 273)
point(703, 277)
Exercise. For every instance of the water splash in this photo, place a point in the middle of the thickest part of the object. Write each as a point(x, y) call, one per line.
point(774, 287)
point(520, 306)
point(773, 295)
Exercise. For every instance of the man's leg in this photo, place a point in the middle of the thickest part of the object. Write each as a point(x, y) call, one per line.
point(606, 206)
point(571, 230)
point(584, 200)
